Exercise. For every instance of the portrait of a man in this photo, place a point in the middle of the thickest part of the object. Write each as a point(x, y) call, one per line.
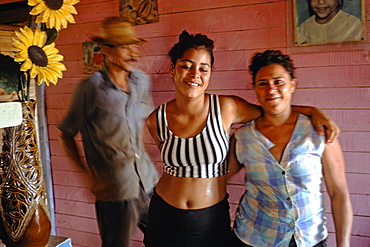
point(327, 21)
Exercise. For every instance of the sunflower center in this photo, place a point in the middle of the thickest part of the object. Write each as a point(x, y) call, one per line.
point(37, 56)
point(54, 4)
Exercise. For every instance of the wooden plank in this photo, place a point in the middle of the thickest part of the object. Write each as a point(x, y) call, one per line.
point(351, 119)
point(360, 225)
point(81, 238)
point(73, 194)
point(357, 162)
point(328, 59)
point(55, 148)
point(334, 98)
point(96, 11)
point(73, 179)
point(63, 163)
point(224, 41)
point(67, 85)
point(58, 101)
point(78, 33)
point(330, 77)
point(358, 183)
point(55, 116)
point(77, 223)
point(360, 204)
point(235, 192)
point(71, 52)
point(355, 141)
point(207, 21)
point(175, 6)
point(80, 209)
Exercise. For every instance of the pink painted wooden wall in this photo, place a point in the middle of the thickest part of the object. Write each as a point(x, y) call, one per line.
point(334, 77)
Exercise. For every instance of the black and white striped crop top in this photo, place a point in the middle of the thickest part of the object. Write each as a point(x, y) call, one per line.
point(201, 156)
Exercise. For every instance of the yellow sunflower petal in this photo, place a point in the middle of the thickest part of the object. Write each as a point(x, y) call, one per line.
point(47, 75)
point(42, 38)
point(19, 46)
point(57, 66)
point(62, 19)
point(28, 34)
point(43, 17)
point(34, 2)
point(71, 2)
point(53, 21)
point(36, 37)
point(50, 49)
point(34, 71)
point(56, 73)
point(69, 8)
point(39, 8)
point(40, 80)
point(22, 38)
point(55, 58)
point(67, 15)
point(26, 65)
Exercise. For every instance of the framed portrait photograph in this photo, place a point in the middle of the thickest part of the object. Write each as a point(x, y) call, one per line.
point(328, 21)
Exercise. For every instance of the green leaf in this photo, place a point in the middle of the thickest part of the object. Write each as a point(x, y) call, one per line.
point(10, 74)
point(52, 34)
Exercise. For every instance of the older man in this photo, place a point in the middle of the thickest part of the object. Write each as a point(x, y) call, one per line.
point(108, 109)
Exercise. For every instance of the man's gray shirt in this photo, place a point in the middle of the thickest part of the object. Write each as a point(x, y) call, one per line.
point(111, 123)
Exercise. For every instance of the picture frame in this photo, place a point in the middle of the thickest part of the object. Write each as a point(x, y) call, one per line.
point(347, 24)
point(92, 57)
point(139, 11)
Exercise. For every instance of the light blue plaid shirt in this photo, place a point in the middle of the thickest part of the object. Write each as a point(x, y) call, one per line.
point(285, 198)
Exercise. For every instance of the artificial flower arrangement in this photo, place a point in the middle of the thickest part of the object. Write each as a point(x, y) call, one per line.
point(35, 54)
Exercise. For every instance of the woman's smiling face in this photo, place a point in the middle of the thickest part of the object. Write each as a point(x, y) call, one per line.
point(192, 72)
point(325, 10)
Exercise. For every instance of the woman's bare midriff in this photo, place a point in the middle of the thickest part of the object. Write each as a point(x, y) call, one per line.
point(191, 193)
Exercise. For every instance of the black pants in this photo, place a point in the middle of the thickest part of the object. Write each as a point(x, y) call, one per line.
point(118, 220)
point(172, 227)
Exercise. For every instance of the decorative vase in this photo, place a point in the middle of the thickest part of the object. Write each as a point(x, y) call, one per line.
point(25, 220)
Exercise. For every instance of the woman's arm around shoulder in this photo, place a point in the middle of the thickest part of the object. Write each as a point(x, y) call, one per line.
point(336, 184)
point(234, 165)
point(152, 126)
point(322, 122)
point(236, 110)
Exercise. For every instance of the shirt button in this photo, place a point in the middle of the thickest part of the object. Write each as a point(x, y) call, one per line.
point(288, 199)
point(136, 155)
point(283, 172)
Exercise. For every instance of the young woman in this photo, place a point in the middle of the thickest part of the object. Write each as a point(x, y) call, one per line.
point(189, 206)
point(285, 160)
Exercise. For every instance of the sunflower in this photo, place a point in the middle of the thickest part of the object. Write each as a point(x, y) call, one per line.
point(42, 60)
point(55, 13)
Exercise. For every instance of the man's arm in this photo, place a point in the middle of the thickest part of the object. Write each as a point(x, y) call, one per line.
point(335, 180)
point(68, 144)
point(320, 119)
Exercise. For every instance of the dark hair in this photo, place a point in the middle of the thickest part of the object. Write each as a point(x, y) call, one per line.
point(188, 41)
point(268, 57)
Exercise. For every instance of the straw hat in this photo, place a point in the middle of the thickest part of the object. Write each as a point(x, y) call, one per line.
point(117, 31)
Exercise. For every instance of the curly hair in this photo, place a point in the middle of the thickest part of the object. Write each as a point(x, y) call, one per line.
point(188, 41)
point(268, 57)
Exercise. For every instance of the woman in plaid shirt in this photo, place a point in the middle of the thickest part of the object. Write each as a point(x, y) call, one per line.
point(285, 160)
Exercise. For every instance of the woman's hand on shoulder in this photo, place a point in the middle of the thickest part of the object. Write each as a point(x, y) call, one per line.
point(325, 125)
